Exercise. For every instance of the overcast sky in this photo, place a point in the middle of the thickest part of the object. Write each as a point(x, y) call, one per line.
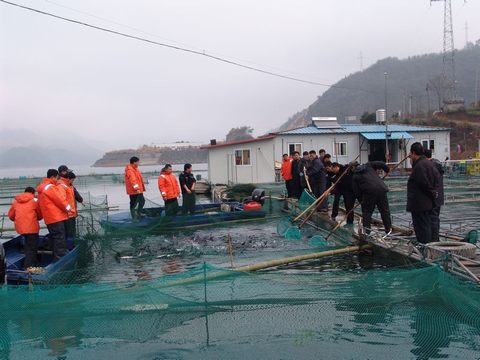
point(57, 75)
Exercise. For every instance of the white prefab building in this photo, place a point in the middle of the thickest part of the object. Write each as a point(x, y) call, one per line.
point(255, 160)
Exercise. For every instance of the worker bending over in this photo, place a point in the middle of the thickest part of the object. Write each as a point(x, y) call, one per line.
point(343, 188)
point(25, 213)
point(370, 189)
point(170, 190)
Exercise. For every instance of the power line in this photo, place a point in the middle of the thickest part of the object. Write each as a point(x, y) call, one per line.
point(119, 24)
point(183, 49)
point(252, 63)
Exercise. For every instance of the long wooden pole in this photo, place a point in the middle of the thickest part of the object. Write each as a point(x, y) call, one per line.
point(359, 203)
point(307, 180)
point(299, 258)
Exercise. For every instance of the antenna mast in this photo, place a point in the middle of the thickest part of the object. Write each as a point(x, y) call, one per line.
point(448, 74)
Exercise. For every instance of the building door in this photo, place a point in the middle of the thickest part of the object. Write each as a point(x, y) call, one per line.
point(377, 150)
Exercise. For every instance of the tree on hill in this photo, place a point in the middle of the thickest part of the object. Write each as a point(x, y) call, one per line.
point(368, 118)
point(240, 133)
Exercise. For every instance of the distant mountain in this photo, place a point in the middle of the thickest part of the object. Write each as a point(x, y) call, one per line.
point(407, 79)
point(25, 148)
point(35, 156)
point(154, 155)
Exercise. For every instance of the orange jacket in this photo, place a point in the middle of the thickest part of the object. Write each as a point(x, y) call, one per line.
point(25, 212)
point(286, 169)
point(133, 180)
point(70, 192)
point(52, 199)
point(168, 185)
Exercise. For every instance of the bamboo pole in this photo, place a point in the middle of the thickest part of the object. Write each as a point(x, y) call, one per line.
point(300, 258)
point(307, 180)
point(359, 203)
point(265, 265)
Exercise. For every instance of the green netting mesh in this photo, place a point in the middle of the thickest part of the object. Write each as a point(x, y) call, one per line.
point(293, 233)
point(172, 295)
point(320, 241)
point(421, 313)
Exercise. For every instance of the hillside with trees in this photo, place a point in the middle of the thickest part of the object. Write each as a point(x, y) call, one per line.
point(413, 88)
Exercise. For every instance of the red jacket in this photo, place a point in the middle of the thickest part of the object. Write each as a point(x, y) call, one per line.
point(52, 199)
point(25, 212)
point(286, 169)
point(133, 180)
point(168, 185)
point(70, 192)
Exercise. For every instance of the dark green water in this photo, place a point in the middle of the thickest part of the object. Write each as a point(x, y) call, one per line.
point(353, 307)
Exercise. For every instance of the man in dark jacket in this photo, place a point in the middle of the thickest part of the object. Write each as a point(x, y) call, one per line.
point(296, 184)
point(187, 184)
point(303, 165)
point(440, 199)
point(344, 188)
point(422, 193)
point(317, 178)
point(370, 189)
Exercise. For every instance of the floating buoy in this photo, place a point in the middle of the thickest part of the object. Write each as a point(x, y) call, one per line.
point(437, 250)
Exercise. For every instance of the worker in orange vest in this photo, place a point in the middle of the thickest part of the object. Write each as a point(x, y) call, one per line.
point(66, 181)
point(135, 187)
point(25, 213)
point(286, 171)
point(170, 190)
point(52, 199)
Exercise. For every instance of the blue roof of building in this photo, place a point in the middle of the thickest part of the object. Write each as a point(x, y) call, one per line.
point(396, 135)
point(360, 128)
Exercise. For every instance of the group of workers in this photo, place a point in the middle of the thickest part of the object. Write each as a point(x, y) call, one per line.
point(168, 185)
point(425, 194)
point(56, 204)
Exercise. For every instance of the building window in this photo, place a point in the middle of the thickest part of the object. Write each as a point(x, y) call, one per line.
point(294, 147)
point(340, 148)
point(242, 157)
point(429, 144)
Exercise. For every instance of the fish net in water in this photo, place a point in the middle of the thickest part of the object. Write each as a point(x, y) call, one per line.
point(292, 230)
point(429, 312)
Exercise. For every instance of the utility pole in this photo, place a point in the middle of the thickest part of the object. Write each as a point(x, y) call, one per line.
point(387, 152)
point(360, 58)
point(410, 106)
point(477, 100)
point(466, 33)
point(449, 80)
point(428, 102)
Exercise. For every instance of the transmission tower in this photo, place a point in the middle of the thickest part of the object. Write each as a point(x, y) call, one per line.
point(448, 74)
